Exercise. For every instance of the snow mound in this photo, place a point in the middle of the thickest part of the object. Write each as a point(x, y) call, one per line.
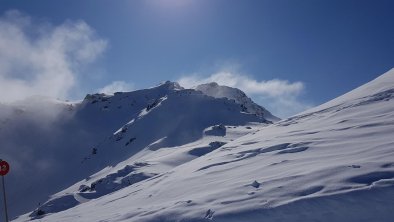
point(218, 130)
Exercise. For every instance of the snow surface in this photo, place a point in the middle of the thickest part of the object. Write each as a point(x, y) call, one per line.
point(51, 145)
point(334, 162)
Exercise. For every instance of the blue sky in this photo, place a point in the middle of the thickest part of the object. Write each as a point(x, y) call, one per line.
point(288, 55)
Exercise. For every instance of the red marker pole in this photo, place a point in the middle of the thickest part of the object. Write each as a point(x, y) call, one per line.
point(4, 169)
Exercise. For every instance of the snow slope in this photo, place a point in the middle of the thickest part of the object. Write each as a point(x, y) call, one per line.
point(51, 145)
point(334, 162)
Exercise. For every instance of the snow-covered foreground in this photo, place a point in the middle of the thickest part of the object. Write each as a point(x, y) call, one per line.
point(332, 163)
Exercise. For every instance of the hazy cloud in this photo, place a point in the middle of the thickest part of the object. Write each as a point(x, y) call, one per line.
point(37, 58)
point(117, 86)
point(281, 97)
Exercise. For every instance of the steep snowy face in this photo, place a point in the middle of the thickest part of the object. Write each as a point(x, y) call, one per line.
point(85, 137)
point(173, 119)
point(217, 91)
point(381, 87)
point(331, 163)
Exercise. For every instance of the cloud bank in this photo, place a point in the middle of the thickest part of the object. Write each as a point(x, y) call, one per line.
point(281, 97)
point(37, 58)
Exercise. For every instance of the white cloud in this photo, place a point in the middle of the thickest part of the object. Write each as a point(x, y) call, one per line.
point(116, 86)
point(37, 58)
point(281, 97)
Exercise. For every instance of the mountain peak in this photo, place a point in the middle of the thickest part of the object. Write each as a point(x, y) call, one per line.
point(170, 85)
point(218, 91)
point(210, 84)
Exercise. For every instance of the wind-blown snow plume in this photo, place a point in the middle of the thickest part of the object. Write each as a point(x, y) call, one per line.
point(280, 96)
point(37, 58)
point(273, 88)
point(116, 86)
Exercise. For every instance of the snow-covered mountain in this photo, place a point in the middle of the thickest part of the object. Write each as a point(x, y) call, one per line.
point(334, 162)
point(52, 145)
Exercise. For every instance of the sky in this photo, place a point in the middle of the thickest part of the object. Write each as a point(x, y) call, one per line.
point(287, 55)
